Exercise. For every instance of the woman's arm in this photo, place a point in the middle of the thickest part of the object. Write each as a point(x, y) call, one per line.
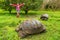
point(22, 4)
point(13, 4)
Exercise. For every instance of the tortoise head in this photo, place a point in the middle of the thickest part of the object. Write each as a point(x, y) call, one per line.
point(17, 29)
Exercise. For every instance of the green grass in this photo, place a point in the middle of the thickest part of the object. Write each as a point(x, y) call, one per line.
point(8, 23)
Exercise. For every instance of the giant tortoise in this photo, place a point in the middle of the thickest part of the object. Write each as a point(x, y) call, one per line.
point(44, 17)
point(30, 27)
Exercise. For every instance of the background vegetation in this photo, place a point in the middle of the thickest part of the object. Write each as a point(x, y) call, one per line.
point(8, 22)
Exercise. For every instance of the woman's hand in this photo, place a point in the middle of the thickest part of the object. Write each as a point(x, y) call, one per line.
point(24, 3)
point(10, 4)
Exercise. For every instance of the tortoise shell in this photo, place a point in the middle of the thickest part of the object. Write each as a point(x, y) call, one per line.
point(30, 27)
point(44, 17)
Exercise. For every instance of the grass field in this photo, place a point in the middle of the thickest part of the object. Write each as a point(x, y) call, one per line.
point(8, 23)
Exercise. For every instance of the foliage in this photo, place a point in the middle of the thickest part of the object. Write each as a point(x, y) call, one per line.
point(51, 4)
point(29, 4)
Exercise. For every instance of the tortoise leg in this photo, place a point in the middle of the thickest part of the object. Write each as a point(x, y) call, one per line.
point(43, 29)
point(22, 34)
point(17, 29)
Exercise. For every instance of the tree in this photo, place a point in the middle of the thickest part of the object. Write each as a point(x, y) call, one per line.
point(51, 4)
point(35, 4)
point(29, 4)
point(6, 5)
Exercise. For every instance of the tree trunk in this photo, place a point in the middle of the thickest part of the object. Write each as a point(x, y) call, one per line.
point(10, 11)
point(26, 11)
